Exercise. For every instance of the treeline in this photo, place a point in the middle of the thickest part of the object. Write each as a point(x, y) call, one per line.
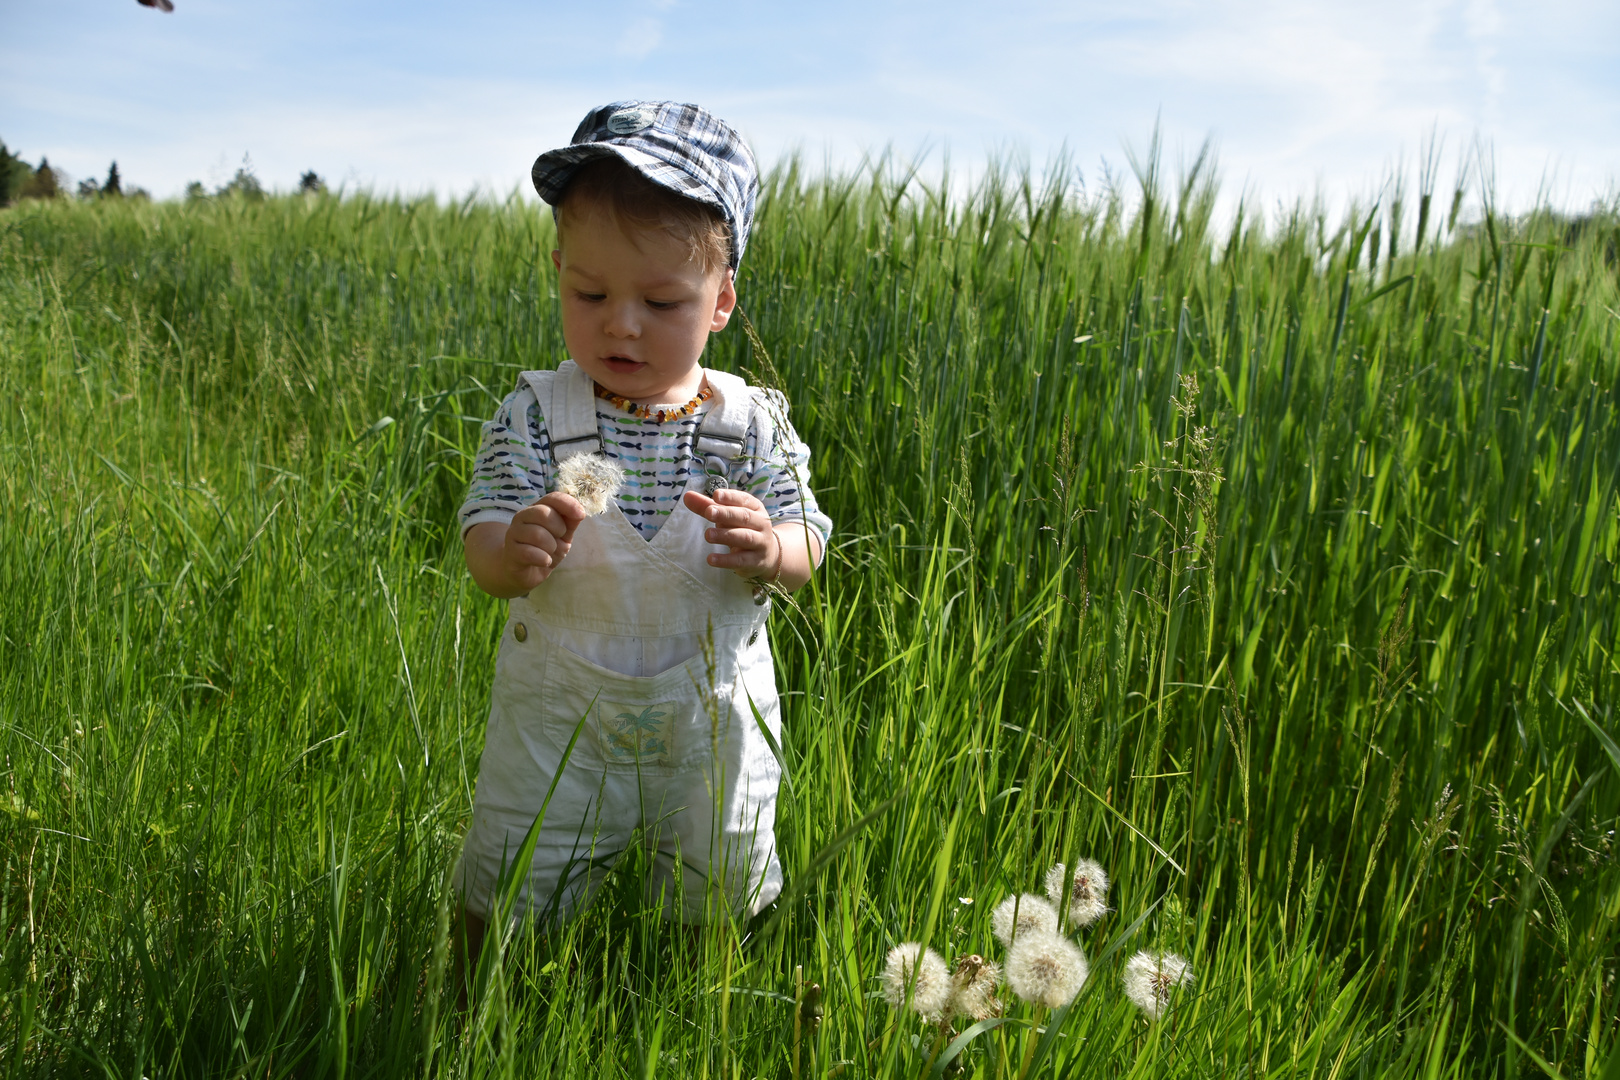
point(19, 180)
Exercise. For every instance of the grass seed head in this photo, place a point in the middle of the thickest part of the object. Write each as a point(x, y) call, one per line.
point(1150, 979)
point(590, 478)
point(973, 987)
point(1085, 891)
point(920, 973)
point(1046, 969)
point(1019, 915)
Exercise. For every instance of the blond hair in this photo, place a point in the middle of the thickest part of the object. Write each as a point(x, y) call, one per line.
point(633, 202)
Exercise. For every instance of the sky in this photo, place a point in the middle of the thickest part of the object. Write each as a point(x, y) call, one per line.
point(1299, 98)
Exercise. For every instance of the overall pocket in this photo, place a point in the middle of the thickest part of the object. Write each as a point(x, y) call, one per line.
point(654, 724)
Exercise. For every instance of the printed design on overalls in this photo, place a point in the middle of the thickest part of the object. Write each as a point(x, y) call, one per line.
point(636, 736)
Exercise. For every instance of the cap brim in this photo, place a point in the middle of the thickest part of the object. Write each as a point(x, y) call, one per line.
point(553, 169)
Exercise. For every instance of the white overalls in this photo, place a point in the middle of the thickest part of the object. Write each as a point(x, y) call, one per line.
point(670, 749)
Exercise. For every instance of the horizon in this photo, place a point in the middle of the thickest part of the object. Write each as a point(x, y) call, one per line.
point(1124, 186)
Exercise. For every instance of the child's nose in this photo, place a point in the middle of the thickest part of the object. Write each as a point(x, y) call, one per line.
point(621, 322)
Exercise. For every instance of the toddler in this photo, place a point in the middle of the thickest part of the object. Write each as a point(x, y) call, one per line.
point(641, 626)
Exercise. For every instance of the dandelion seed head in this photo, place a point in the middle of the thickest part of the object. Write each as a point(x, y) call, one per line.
point(1151, 978)
point(592, 479)
point(973, 988)
point(1084, 891)
point(1020, 915)
point(921, 973)
point(1046, 969)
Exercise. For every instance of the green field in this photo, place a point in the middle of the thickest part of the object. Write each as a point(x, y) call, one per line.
point(1273, 566)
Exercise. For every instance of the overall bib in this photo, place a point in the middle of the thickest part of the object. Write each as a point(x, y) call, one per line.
point(660, 661)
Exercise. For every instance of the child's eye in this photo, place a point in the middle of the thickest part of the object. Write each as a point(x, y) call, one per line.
point(662, 305)
point(591, 297)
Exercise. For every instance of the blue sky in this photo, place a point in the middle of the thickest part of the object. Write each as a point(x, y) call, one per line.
point(1298, 96)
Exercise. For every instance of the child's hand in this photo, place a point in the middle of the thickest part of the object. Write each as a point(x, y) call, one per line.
point(509, 560)
point(740, 523)
point(538, 537)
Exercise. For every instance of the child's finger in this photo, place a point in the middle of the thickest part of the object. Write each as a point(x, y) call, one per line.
point(738, 517)
point(731, 508)
point(725, 501)
point(532, 537)
point(737, 497)
point(555, 519)
point(565, 505)
point(544, 560)
point(738, 560)
point(737, 539)
point(532, 559)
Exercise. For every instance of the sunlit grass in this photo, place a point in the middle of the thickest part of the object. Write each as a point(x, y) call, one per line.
point(1271, 566)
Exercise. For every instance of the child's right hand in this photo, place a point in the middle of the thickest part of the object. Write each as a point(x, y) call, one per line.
point(538, 537)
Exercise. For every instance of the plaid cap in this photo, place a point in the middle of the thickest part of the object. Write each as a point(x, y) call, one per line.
point(684, 148)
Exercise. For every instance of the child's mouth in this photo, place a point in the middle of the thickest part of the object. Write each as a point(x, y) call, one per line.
point(622, 365)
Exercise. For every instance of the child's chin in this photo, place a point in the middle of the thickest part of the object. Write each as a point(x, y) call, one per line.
point(634, 382)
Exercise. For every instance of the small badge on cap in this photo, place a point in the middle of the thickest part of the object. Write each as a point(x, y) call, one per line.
point(630, 121)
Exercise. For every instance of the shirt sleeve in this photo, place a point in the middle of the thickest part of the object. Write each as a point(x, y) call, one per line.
point(512, 468)
point(778, 475)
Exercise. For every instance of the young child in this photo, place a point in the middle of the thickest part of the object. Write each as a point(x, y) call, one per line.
point(647, 620)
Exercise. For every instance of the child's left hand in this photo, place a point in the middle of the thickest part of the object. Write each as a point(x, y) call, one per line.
point(740, 523)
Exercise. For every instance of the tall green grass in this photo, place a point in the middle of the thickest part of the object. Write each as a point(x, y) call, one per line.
point(1272, 564)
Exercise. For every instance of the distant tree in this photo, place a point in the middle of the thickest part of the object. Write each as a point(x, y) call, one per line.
point(88, 188)
point(311, 183)
point(195, 191)
point(43, 184)
point(113, 186)
point(14, 172)
point(245, 183)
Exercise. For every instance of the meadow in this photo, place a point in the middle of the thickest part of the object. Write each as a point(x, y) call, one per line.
point(1271, 564)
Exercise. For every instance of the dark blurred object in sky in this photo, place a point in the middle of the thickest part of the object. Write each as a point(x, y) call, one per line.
point(161, 5)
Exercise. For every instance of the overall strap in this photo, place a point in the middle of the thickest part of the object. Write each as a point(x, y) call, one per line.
point(568, 403)
point(722, 434)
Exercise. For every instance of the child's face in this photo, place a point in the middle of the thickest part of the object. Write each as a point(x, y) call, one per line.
point(637, 309)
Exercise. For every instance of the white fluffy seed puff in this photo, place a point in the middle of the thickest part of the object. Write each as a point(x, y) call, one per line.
point(1085, 891)
point(1046, 969)
point(973, 988)
point(1151, 978)
point(592, 479)
point(919, 972)
point(1019, 915)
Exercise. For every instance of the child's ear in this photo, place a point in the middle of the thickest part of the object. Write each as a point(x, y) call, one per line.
point(556, 258)
point(725, 303)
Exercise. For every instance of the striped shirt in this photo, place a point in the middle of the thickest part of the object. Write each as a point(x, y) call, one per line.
point(514, 467)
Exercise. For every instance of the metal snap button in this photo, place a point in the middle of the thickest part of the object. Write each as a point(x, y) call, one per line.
point(520, 632)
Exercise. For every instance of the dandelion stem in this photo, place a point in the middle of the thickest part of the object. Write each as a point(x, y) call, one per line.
point(939, 1042)
point(798, 1004)
point(1032, 1042)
